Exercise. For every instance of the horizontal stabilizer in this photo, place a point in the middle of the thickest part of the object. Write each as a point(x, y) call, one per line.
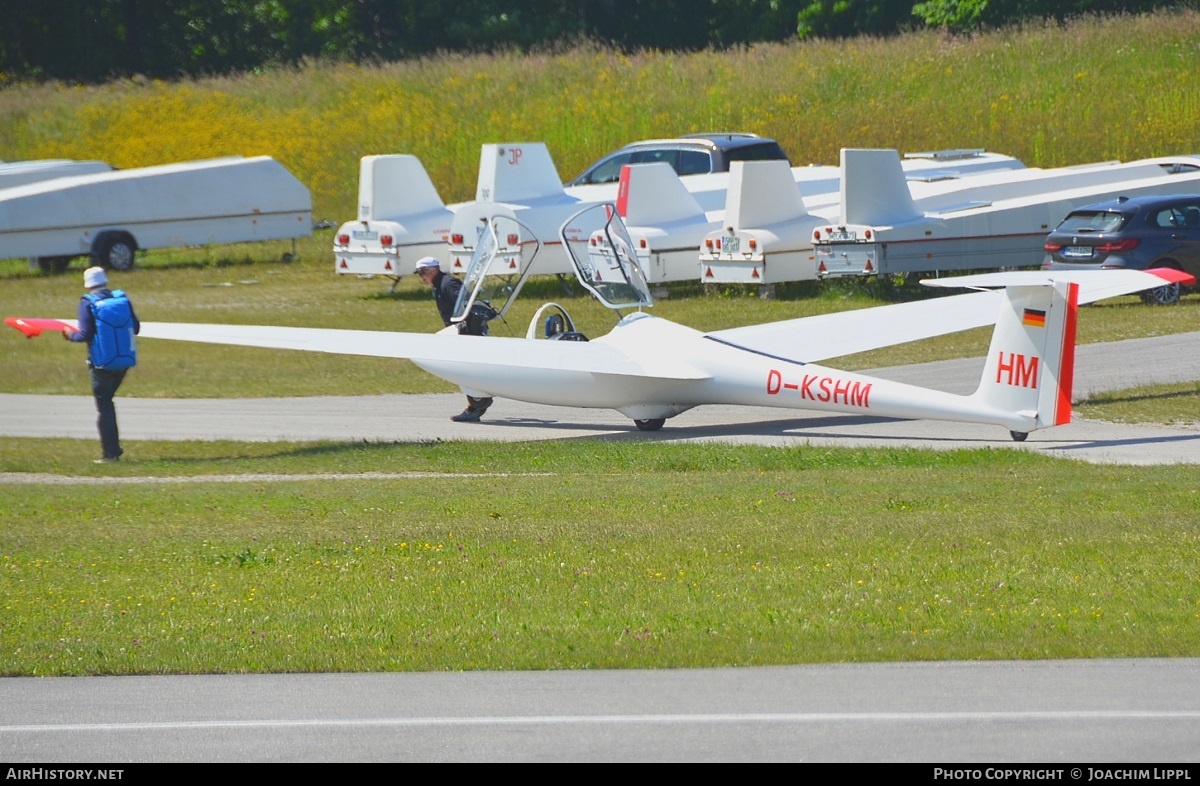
point(761, 193)
point(875, 189)
point(1093, 284)
point(393, 186)
point(517, 173)
point(651, 195)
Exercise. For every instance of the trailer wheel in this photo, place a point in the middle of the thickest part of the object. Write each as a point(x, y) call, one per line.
point(650, 424)
point(114, 250)
point(53, 266)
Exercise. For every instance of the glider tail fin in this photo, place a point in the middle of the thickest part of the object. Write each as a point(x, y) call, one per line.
point(761, 193)
point(517, 172)
point(393, 186)
point(874, 188)
point(653, 195)
point(1031, 361)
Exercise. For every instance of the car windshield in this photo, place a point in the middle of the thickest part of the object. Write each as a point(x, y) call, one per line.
point(607, 171)
point(1093, 221)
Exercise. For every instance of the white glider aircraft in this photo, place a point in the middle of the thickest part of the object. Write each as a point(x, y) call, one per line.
point(651, 369)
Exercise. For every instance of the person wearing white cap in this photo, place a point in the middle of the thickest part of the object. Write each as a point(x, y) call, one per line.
point(445, 294)
point(107, 324)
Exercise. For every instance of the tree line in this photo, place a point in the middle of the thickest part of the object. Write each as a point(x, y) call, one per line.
point(96, 40)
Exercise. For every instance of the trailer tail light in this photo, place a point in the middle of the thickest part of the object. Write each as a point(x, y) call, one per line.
point(816, 235)
point(386, 241)
point(753, 244)
point(456, 239)
point(708, 243)
point(343, 240)
point(642, 243)
point(867, 234)
point(513, 240)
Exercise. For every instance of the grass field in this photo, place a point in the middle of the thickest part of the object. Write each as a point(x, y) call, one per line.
point(590, 555)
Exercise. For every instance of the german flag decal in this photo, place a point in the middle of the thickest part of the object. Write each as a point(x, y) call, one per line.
point(1034, 318)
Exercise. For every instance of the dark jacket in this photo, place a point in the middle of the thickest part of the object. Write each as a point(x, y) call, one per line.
point(445, 294)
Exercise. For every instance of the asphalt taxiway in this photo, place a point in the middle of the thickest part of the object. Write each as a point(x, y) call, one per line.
point(1068, 712)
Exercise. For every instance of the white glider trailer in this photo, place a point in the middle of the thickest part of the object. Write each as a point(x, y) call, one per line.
point(112, 215)
point(667, 216)
point(671, 233)
point(401, 217)
point(999, 222)
point(18, 173)
point(766, 238)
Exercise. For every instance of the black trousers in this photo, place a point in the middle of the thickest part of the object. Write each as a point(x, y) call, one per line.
point(104, 387)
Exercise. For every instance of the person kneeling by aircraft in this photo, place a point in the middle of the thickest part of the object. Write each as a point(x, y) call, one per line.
point(446, 290)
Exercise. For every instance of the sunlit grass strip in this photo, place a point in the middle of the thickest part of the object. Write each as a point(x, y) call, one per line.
point(1174, 404)
point(628, 556)
point(1049, 94)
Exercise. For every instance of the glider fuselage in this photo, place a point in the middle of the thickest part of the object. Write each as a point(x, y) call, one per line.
point(687, 368)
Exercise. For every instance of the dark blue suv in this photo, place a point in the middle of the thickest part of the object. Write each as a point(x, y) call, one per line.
point(1137, 233)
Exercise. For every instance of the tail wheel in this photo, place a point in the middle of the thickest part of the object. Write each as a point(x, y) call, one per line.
point(650, 424)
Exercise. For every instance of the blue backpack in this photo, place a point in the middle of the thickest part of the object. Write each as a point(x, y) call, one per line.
point(113, 346)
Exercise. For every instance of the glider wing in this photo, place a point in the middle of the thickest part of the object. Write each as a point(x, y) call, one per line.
point(31, 326)
point(495, 351)
point(813, 339)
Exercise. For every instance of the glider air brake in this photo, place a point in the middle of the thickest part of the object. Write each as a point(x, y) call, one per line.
point(651, 369)
point(401, 216)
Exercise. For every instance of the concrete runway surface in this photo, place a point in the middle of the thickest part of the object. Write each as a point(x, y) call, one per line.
point(1070, 712)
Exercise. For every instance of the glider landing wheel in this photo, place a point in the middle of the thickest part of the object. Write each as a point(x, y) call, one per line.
point(652, 424)
point(1019, 436)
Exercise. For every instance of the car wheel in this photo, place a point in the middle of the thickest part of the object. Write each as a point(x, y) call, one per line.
point(114, 251)
point(1166, 295)
point(651, 424)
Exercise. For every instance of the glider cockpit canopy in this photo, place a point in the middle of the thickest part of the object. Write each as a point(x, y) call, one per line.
point(605, 259)
point(488, 280)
